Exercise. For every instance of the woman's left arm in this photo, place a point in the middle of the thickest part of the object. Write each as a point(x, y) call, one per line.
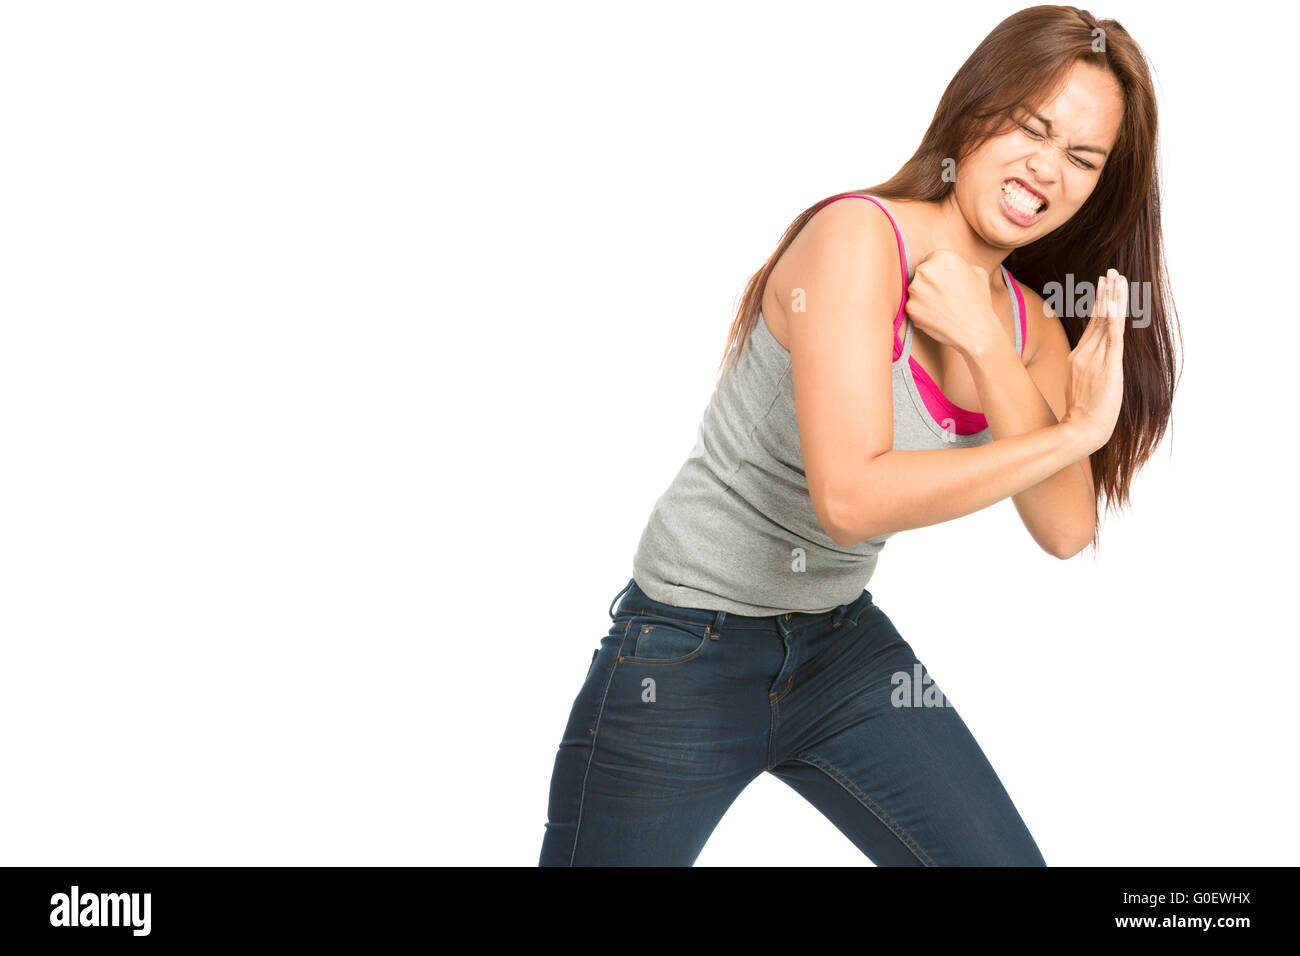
point(1059, 511)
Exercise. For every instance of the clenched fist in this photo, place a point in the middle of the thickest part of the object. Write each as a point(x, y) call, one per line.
point(949, 300)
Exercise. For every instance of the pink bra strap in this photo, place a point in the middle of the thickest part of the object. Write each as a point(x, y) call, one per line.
point(902, 268)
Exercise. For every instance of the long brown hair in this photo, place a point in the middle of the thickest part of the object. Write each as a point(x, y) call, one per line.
point(1027, 55)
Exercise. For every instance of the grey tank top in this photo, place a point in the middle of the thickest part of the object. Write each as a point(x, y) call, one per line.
point(735, 530)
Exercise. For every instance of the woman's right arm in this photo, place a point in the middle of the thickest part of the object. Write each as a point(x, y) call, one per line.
point(910, 489)
point(845, 261)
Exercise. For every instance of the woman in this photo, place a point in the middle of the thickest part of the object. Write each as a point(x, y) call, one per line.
point(745, 641)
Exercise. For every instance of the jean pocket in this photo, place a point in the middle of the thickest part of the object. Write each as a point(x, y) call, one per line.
point(666, 641)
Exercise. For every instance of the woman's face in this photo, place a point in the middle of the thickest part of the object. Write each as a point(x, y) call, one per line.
point(1054, 152)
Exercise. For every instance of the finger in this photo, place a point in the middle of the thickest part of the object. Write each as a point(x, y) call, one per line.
point(1095, 330)
point(1118, 313)
point(1121, 301)
point(1090, 327)
point(1096, 327)
point(1109, 309)
point(1114, 319)
point(1101, 307)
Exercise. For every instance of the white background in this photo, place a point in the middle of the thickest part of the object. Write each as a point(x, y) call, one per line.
point(346, 348)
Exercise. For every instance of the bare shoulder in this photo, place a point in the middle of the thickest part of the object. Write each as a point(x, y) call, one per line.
point(853, 219)
point(850, 231)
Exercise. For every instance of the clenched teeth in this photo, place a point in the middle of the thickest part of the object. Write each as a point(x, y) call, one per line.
point(1021, 199)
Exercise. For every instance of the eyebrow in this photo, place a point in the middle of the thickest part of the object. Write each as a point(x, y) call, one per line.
point(1048, 123)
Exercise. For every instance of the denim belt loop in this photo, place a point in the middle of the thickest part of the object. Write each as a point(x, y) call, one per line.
point(619, 595)
point(714, 629)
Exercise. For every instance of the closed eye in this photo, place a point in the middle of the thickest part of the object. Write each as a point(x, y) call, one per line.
point(1073, 158)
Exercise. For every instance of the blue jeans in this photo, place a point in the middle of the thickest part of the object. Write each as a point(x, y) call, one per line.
point(682, 707)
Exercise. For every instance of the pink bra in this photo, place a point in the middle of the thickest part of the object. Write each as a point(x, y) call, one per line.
point(964, 421)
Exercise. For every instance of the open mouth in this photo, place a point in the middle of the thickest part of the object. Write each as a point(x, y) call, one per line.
point(1022, 199)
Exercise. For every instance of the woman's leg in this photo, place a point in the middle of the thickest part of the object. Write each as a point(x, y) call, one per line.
point(868, 741)
point(662, 738)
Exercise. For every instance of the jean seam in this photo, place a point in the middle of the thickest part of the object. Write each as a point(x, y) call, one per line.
point(789, 684)
point(595, 737)
point(831, 771)
point(709, 624)
point(626, 615)
point(651, 615)
point(699, 648)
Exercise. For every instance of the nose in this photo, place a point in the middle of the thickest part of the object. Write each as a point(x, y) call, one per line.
point(1043, 168)
point(1045, 163)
